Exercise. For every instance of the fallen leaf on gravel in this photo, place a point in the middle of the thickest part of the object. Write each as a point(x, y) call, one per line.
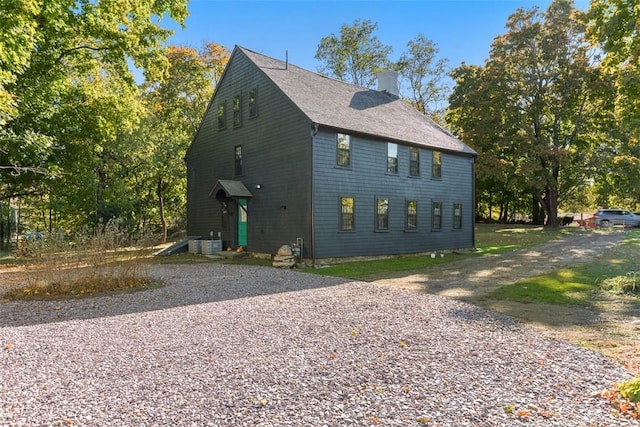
point(8, 346)
point(547, 414)
point(509, 409)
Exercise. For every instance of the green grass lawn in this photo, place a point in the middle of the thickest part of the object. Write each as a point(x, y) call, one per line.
point(490, 240)
point(499, 238)
point(575, 285)
point(364, 269)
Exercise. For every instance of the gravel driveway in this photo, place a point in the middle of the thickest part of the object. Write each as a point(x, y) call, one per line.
point(226, 345)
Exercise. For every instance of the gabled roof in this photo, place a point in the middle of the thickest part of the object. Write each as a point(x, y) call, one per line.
point(350, 108)
point(232, 189)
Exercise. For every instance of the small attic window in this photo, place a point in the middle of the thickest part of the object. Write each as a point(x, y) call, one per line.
point(237, 111)
point(222, 116)
point(253, 103)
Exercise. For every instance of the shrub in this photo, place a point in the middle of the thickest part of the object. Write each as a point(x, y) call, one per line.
point(87, 262)
point(628, 284)
point(631, 389)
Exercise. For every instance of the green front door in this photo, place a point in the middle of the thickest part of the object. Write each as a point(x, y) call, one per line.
point(242, 222)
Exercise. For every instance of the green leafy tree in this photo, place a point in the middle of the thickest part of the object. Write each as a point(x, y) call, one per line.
point(69, 91)
point(175, 107)
point(356, 55)
point(614, 27)
point(537, 93)
point(476, 117)
point(426, 75)
point(95, 119)
point(17, 40)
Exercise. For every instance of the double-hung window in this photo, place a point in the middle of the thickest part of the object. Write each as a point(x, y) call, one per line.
point(222, 115)
point(344, 150)
point(347, 214)
point(238, 161)
point(253, 103)
point(436, 216)
point(457, 215)
point(412, 215)
point(237, 111)
point(436, 166)
point(414, 161)
point(382, 214)
point(392, 158)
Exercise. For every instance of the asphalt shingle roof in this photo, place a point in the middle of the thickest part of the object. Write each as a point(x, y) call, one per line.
point(334, 103)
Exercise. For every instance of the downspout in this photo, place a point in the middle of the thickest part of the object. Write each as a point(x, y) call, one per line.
point(473, 201)
point(314, 132)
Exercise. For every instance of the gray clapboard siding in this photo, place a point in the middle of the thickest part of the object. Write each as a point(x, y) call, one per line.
point(276, 152)
point(368, 180)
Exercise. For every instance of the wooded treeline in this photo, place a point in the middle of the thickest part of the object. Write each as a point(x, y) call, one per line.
point(80, 141)
point(553, 112)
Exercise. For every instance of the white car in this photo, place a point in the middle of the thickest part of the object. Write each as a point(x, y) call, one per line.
point(609, 217)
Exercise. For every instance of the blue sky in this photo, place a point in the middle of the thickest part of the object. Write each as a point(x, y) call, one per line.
point(462, 29)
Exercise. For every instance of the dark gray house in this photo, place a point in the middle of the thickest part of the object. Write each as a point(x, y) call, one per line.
point(285, 155)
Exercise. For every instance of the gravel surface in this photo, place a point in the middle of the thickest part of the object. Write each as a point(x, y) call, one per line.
point(471, 278)
point(225, 345)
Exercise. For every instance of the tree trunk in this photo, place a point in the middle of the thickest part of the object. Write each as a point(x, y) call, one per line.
point(550, 201)
point(163, 220)
point(537, 213)
point(550, 204)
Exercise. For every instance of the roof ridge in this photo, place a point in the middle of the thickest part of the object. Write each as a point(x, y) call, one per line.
point(337, 104)
point(289, 63)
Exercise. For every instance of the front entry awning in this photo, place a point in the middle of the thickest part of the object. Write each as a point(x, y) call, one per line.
point(231, 189)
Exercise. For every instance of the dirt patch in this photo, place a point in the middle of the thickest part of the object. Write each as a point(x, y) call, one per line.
point(609, 324)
